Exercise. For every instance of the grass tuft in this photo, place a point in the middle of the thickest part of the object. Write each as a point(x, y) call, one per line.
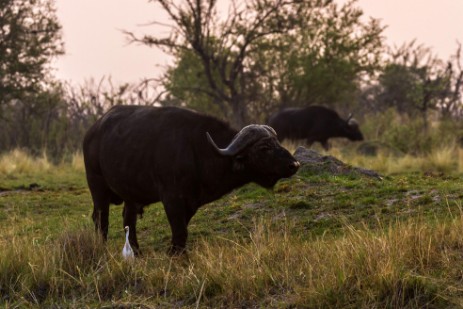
point(442, 160)
point(18, 161)
point(77, 161)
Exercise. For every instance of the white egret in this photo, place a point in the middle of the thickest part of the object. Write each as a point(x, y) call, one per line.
point(127, 251)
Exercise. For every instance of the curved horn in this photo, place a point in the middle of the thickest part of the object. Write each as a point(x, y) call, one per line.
point(349, 117)
point(270, 129)
point(352, 122)
point(248, 135)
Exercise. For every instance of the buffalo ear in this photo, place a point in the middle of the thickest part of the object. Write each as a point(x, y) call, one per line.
point(238, 162)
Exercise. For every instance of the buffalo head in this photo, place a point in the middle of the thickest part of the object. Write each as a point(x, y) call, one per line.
point(352, 129)
point(256, 151)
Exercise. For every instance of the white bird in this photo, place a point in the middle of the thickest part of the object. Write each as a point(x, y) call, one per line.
point(127, 251)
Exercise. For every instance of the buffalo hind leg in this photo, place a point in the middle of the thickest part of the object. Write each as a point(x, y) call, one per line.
point(129, 214)
point(101, 196)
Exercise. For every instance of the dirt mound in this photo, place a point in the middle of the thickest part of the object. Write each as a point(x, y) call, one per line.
point(315, 162)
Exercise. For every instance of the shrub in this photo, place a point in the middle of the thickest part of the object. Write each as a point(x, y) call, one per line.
point(410, 135)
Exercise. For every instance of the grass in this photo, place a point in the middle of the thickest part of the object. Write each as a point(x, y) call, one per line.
point(18, 161)
point(315, 241)
point(445, 159)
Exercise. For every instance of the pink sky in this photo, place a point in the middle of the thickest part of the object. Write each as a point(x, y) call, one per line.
point(96, 47)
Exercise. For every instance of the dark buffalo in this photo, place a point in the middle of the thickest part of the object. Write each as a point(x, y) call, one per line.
point(315, 124)
point(141, 155)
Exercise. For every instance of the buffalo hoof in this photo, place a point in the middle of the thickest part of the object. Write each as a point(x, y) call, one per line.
point(137, 252)
point(176, 251)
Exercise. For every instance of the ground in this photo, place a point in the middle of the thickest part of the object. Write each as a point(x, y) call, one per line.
point(246, 233)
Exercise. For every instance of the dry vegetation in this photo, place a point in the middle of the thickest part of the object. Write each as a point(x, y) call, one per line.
point(447, 159)
point(410, 264)
point(47, 258)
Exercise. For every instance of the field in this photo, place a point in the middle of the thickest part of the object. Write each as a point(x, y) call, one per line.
point(318, 240)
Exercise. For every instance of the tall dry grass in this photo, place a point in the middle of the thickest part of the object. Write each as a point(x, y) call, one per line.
point(446, 160)
point(411, 264)
point(19, 161)
point(77, 161)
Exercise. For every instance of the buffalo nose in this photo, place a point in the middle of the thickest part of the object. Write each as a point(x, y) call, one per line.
point(295, 165)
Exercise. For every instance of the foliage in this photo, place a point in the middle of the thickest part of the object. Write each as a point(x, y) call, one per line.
point(222, 47)
point(35, 122)
point(36, 112)
point(30, 36)
point(55, 120)
point(323, 60)
point(414, 81)
point(265, 53)
point(185, 84)
point(406, 135)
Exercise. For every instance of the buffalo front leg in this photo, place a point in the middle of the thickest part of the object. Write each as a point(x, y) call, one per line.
point(326, 145)
point(310, 142)
point(179, 215)
point(129, 214)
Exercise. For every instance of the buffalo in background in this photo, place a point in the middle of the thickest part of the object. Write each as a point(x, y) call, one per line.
point(314, 124)
point(141, 155)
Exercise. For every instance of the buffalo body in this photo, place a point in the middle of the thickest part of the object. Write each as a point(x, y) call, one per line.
point(141, 155)
point(314, 124)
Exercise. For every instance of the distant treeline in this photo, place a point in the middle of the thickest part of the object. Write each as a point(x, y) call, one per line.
point(55, 121)
point(266, 56)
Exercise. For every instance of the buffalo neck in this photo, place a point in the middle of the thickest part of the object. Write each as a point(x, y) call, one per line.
point(219, 173)
point(221, 177)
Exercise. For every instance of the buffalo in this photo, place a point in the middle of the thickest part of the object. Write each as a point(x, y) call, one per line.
point(140, 155)
point(314, 124)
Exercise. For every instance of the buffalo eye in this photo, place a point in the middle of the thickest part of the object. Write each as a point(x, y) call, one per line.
point(265, 147)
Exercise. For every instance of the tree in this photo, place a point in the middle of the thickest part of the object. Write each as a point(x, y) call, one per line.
point(414, 81)
point(186, 84)
point(224, 47)
point(30, 100)
point(30, 36)
point(323, 61)
point(265, 53)
point(452, 104)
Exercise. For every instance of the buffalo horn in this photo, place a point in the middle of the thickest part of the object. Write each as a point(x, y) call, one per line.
point(247, 136)
point(349, 117)
point(352, 122)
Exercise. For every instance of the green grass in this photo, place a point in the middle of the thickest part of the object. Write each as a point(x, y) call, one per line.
point(315, 241)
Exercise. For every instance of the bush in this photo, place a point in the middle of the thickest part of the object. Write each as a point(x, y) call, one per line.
point(410, 135)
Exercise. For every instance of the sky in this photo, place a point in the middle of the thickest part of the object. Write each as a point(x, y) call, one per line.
point(96, 46)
